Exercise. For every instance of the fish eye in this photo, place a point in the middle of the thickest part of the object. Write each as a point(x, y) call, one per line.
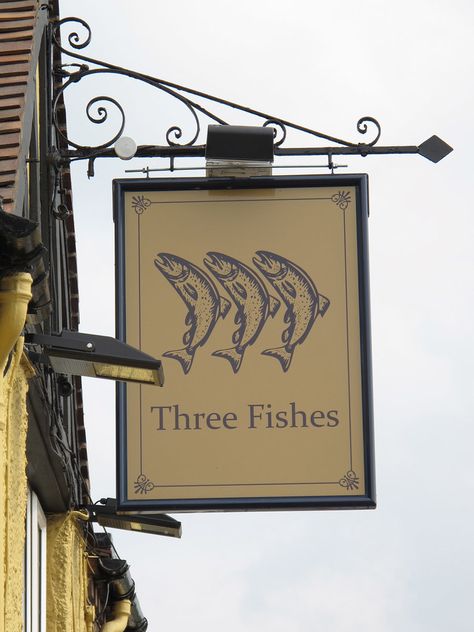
point(182, 272)
point(179, 271)
point(227, 268)
point(279, 270)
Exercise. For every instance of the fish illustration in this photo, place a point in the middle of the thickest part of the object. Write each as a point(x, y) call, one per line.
point(251, 298)
point(202, 299)
point(302, 299)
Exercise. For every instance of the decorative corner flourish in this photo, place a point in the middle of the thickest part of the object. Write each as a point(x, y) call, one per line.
point(143, 485)
point(140, 203)
point(342, 199)
point(350, 481)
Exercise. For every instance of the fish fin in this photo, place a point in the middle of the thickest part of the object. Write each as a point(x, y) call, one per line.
point(290, 288)
point(273, 305)
point(189, 318)
point(184, 357)
point(187, 337)
point(288, 315)
point(234, 355)
point(283, 356)
point(191, 290)
point(240, 289)
point(224, 306)
point(285, 335)
point(236, 336)
point(238, 318)
point(323, 304)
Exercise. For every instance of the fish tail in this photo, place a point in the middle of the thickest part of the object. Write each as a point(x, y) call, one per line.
point(234, 355)
point(323, 304)
point(283, 356)
point(184, 357)
point(224, 306)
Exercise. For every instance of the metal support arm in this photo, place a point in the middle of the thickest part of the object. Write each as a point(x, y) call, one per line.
point(197, 104)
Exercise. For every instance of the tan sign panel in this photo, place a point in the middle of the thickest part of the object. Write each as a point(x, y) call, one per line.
point(254, 295)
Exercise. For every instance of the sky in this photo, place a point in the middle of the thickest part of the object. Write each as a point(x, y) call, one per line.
point(407, 565)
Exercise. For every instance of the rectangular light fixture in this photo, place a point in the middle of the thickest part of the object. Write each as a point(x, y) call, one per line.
point(89, 355)
point(159, 524)
point(240, 142)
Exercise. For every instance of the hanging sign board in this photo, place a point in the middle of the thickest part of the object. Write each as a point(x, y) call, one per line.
point(254, 293)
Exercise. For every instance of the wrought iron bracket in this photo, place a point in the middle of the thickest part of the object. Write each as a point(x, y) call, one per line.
point(197, 104)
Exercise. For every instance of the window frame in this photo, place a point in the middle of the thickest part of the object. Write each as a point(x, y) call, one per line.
point(34, 598)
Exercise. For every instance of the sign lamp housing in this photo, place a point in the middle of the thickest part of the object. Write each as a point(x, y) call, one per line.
point(158, 524)
point(75, 353)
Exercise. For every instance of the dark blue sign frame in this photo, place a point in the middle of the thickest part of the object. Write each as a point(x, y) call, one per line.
point(366, 500)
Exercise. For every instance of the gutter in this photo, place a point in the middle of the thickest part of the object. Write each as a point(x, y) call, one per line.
point(15, 294)
point(21, 250)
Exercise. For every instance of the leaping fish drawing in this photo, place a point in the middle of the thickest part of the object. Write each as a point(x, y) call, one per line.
point(202, 299)
point(251, 298)
point(302, 299)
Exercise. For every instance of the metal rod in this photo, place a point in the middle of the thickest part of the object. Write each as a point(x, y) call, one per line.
point(147, 170)
point(199, 151)
point(360, 150)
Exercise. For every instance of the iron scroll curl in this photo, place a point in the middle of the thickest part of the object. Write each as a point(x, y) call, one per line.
point(197, 103)
point(277, 124)
point(77, 43)
point(362, 128)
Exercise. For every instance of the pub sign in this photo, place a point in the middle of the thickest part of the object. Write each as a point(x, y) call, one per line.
point(254, 294)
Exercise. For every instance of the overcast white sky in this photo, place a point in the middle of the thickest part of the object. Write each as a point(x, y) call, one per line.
point(408, 565)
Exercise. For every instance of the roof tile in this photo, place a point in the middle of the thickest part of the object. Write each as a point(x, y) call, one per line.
point(8, 127)
point(13, 70)
point(19, 80)
point(11, 92)
point(14, 59)
point(16, 16)
point(17, 36)
point(9, 139)
point(13, 103)
point(7, 48)
point(8, 166)
point(6, 194)
point(7, 180)
point(8, 153)
point(18, 6)
point(12, 114)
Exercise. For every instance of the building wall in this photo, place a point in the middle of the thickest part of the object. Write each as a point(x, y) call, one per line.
point(67, 563)
point(13, 487)
point(24, 119)
point(43, 453)
point(67, 576)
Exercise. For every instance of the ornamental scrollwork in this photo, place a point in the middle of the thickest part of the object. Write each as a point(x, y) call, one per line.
point(342, 199)
point(350, 481)
point(143, 485)
point(140, 203)
point(195, 102)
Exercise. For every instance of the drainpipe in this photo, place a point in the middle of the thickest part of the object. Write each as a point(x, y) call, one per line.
point(121, 612)
point(122, 589)
point(15, 294)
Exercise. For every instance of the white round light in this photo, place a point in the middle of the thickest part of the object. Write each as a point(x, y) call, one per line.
point(125, 148)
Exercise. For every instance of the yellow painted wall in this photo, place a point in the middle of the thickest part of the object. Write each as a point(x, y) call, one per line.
point(13, 488)
point(67, 576)
point(67, 570)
